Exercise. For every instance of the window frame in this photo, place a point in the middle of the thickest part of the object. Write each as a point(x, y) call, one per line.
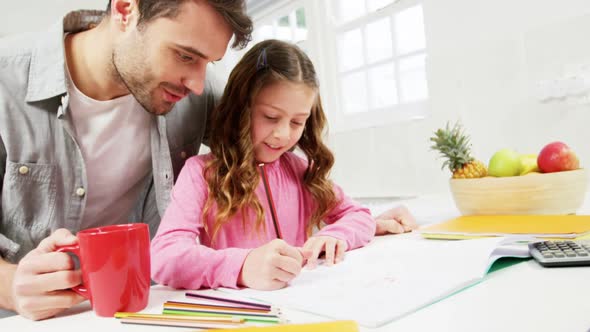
point(379, 117)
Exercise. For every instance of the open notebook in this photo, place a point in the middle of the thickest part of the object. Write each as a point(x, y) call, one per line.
point(388, 279)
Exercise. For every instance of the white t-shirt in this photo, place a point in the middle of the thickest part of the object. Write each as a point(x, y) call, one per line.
point(114, 137)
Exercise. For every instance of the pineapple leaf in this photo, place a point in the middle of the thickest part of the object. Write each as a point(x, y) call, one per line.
point(453, 146)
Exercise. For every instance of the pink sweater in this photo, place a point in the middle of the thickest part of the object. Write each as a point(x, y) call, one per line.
point(179, 261)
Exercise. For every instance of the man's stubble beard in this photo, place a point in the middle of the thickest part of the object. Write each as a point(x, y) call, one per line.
point(135, 78)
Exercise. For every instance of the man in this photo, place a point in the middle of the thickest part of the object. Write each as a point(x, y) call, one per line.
point(94, 126)
point(97, 116)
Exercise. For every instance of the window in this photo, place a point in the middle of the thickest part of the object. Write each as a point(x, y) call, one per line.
point(381, 69)
point(291, 27)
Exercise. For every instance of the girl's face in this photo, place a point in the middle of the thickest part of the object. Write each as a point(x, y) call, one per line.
point(279, 113)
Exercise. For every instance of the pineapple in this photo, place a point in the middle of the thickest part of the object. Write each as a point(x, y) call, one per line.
point(454, 145)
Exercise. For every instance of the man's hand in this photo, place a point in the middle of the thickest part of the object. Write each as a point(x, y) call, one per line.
point(6, 277)
point(42, 278)
point(396, 220)
point(271, 266)
point(333, 248)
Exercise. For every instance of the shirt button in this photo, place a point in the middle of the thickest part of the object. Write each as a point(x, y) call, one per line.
point(183, 155)
point(23, 170)
point(80, 191)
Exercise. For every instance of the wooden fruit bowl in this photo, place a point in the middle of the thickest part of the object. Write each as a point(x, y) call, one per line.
point(534, 193)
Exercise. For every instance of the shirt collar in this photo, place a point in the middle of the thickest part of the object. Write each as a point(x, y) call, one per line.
point(47, 77)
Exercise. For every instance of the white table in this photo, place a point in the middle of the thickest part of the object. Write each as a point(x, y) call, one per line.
point(523, 297)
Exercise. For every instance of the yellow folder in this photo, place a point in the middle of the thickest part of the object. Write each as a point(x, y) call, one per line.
point(541, 226)
point(337, 326)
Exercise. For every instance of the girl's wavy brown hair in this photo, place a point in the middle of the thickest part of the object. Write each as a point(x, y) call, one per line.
point(232, 175)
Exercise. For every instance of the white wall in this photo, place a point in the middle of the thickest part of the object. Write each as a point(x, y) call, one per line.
point(32, 15)
point(484, 59)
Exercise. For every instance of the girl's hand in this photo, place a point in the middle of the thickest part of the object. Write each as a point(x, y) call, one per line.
point(333, 248)
point(271, 266)
point(395, 221)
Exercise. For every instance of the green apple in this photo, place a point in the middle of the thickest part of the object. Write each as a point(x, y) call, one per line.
point(505, 162)
point(528, 164)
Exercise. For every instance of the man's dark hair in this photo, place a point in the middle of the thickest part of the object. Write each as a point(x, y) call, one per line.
point(234, 13)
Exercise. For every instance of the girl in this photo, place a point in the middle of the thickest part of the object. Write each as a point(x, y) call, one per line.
point(252, 203)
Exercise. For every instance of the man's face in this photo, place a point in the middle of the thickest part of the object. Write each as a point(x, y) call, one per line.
point(164, 59)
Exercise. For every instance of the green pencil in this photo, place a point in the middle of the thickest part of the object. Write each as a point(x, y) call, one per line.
point(250, 318)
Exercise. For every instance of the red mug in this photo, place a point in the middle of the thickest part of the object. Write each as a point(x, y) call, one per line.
point(115, 264)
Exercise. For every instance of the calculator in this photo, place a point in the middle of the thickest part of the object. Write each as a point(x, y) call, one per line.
point(561, 253)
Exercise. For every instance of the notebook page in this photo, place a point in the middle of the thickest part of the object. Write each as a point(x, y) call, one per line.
point(385, 280)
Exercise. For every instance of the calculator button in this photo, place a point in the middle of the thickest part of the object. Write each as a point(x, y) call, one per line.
point(570, 254)
point(547, 255)
point(559, 255)
point(582, 254)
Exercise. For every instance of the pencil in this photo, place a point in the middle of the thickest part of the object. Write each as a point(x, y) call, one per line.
point(122, 315)
point(219, 311)
point(206, 313)
point(171, 304)
point(271, 203)
point(248, 318)
point(178, 323)
point(223, 312)
point(209, 297)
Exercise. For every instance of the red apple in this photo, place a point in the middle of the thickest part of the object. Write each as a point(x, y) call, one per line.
point(557, 157)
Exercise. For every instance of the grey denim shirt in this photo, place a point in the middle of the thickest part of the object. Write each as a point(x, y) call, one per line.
point(42, 172)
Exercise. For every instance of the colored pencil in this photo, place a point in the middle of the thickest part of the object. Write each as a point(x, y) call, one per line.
point(198, 306)
point(248, 318)
point(192, 324)
point(271, 203)
point(211, 313)
point(215, 298)
point(208, 303)
point(179, 317)
point(224, 312)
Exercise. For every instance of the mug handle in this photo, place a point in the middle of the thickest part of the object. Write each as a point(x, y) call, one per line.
point(75, 249)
